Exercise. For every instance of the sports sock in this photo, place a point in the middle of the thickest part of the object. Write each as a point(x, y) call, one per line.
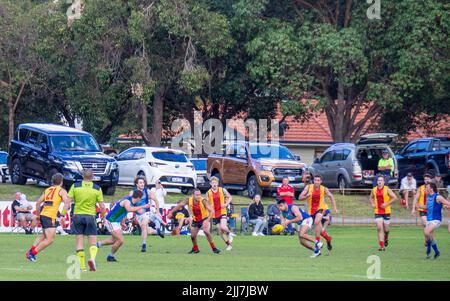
point(381, 244)
point(212, 245)
point(325, 235)
point(435, 248)
point(144, 241)
point(33, 250)
point(111, 254)
point(195, 248)
point(428, 246)
point(93, 252)
point(317, 239)
point(99, 244)
point(80, 255)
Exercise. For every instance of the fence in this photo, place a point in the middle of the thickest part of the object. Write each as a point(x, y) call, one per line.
point(354, 207)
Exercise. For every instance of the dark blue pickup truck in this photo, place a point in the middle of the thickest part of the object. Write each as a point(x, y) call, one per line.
point(430, 155)
point(39, 150)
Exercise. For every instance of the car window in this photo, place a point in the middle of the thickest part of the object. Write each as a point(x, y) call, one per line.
point(127, 155)
point(32, 138)
point(327, 157)
point(445, 144)
point(410, 149)
point(199, 164)
point(22, 136)
point(3, 158)
point(422, 146)
point(341, 155)
point(170, 156)
point(139, 154)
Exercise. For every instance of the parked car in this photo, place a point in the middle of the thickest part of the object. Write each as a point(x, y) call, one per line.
point(109, 150)
point(347, 165)
point(4, 173)
point(202, 175)
point(430, 155)
point(170, 166)
point(39, 150)
point(257, 167)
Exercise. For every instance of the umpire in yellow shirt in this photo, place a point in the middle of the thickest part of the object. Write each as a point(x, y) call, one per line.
point(86, 195)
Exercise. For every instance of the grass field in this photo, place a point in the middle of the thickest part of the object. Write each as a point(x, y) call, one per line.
point(253, 258)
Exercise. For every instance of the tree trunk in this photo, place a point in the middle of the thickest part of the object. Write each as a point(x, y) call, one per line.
point(12, 105)
point(157, 118)
point(144, 116)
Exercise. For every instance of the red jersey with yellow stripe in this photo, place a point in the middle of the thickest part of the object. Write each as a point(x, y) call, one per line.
point(422, 198)
point(52, 200)
point(316, 199)
point(199, 211)
point(381, 196)
point(217, 199)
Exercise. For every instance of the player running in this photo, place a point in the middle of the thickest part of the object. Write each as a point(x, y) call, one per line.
point(315, 194)
point(291, 214)
point(220, 198)
point(381, 199)
point(52, 198)
point(114, 218)
point(420, 199)
point(434, 217)
point(202, 213)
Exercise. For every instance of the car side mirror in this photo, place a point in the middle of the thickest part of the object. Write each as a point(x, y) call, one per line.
point(297, 158)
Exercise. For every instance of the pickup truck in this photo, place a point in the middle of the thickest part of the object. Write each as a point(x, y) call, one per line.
point(257, 167)
point(423, 155)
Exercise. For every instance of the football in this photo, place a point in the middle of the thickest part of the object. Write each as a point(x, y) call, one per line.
point(277, 229)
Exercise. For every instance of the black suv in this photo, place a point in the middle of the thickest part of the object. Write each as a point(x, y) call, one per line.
point(40, 150)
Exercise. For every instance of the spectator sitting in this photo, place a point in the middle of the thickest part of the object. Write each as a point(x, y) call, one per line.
point(22, 210)
point(256, 216)
point(408, 187)
point(438, 181)
point(183, 217)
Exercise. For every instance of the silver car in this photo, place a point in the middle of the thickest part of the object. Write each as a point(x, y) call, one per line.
point(347, 165)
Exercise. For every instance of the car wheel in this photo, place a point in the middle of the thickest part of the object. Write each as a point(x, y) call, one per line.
point(253, 187)
point(16, 173)
point(342, 184)
point(109, 190)
point(3, 179)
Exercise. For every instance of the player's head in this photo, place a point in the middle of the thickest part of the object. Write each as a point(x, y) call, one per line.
point(380, 181)
point(57, 179)
point(136, 196)
point(197, 195)
point(317, 180)
point(431, 188)
point(285, 181)
point(181, 202)
point(214, 182)
point(140, 182)
point(282, 205)
point(88, 174)
point(18, 194)
point(427, 178)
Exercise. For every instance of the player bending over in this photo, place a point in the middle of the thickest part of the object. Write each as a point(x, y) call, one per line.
point(291, 214)
point(52, 198)
point(202, 214)
point(113, 219)
point(434, 217)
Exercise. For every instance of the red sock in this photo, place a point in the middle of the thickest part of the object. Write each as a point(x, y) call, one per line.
point(33, 250)
point(195, 248)
point(317, 238)
point(213, 246)
point(381, 243)
point(325, 235)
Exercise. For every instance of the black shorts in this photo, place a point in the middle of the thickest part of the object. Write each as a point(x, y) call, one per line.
point(198, 224)
point(218, 219)
point(47, 222)
point(386, 217)
point(320, 211)
point(421, 213)
point(83, 224)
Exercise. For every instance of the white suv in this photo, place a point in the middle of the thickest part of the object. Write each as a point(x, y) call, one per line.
point(170, 166)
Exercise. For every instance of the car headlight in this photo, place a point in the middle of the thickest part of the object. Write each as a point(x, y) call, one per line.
point(266, 168)
point(114, 165)
point(72, 165)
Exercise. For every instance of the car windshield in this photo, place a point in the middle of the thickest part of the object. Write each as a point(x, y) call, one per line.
point(170, 156)
point(3, 158)
point(445, 144)
point(74, 143)
point(199, 164)
point(264, 151)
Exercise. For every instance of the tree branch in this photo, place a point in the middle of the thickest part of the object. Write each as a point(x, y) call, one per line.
point(19, 96)
point(348, 12)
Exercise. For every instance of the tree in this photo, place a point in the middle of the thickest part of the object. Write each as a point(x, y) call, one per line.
point(331, 57)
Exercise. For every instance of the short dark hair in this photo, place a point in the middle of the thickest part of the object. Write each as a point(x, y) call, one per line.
point(281, 201)
point(137, 194)
point(427, 175)
point(88, 174)
point(136, 180)
point(433, 186)
point(318, 176)
point(57, 179)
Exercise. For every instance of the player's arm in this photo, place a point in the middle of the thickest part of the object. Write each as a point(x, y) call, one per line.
point(393, 197)
point(415, 202)
point(209, 208)
point(298, 216)
point(304, 193)
point(228, 198)
point(333, 200)
point(101, 204)
point(67, 203)
point(372, 201)
point(38, 205)
point(442, 200)
point(126, 204)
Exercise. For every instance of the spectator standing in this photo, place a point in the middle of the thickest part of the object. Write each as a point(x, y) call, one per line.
point(160, 193)
point(286, 192)
point(256, 216)
point(408, 187)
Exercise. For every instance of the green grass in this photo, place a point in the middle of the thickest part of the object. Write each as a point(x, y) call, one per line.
point(253, 258)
